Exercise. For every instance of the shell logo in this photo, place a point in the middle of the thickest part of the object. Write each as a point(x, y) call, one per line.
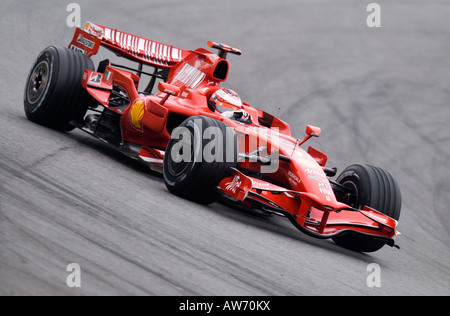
point(137, 113)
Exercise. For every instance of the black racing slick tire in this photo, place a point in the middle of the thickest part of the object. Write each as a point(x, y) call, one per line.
point(199, 154)
point(53, 93)
point(373, 187)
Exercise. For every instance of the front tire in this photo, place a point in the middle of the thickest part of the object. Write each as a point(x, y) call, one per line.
point(373, 187)
point(53, 94)
point(194, 176)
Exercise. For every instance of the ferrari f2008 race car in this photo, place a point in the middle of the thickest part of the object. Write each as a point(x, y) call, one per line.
point(207, 143)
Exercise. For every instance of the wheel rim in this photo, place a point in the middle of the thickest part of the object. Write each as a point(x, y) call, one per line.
point(38, 81)
point(352, 199)
point(176, 165)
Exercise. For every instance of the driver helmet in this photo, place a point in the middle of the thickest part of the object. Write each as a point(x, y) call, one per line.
point(224, 100)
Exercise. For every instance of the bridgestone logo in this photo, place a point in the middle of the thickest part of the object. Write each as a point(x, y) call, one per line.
point(85, 42)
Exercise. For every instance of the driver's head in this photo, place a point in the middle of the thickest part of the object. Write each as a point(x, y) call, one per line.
point(224, 100)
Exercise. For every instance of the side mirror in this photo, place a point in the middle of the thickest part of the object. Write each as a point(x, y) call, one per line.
point(313, 131)
point(169, 89)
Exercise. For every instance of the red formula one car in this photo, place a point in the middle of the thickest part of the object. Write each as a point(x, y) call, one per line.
point(208, 144)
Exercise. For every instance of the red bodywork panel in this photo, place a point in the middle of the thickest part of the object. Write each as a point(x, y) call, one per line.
point(303, 190)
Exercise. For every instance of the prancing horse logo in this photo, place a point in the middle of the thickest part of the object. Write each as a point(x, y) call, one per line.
point(234, 184)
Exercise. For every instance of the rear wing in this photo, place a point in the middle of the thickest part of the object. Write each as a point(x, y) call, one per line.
point(123, 44)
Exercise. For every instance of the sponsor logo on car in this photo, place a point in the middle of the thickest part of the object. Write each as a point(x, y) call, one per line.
point(137, 113)
point(77, 49)
point(234, 184)
point(85, 41)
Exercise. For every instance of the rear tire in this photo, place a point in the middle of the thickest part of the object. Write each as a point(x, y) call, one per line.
point(195, 178)
point(373, 187)
point(53, 94)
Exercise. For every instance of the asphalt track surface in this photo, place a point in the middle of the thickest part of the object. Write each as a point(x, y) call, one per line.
point(380, 95)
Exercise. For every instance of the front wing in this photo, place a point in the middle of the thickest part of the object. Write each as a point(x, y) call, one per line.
point(306, 211)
